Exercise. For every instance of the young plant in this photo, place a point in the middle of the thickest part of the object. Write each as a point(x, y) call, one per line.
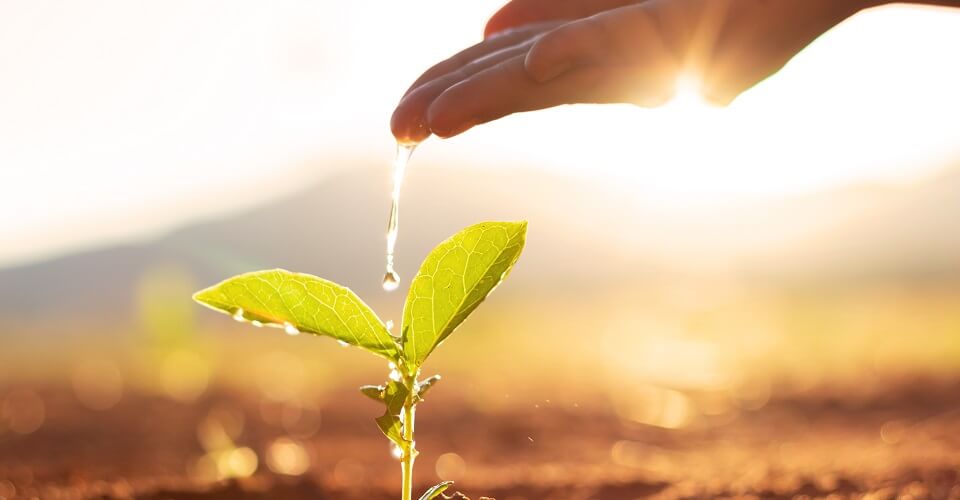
point(453, 280)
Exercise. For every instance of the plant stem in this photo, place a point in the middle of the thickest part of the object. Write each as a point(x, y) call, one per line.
point(409, 448)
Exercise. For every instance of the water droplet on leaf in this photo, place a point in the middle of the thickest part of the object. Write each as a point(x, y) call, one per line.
point(290, 329)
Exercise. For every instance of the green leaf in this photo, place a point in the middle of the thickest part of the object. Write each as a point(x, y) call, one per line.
point(436, 490)
point(374, 392)
point(453, 280)
point(391, 427)
point(393, 397)
point(308, 303)
point(426, 385)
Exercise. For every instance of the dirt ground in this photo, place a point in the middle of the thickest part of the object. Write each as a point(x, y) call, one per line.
point(903, 443)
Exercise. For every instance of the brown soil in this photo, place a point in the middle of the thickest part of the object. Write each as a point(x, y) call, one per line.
point(806, 447)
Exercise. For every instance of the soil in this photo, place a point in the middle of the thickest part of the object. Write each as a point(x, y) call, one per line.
point(902, 443)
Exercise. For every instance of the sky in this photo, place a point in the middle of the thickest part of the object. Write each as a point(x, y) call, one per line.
point(121, 119)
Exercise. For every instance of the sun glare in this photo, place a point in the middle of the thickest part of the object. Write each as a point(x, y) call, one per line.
point(688, 99)
point(855, 106)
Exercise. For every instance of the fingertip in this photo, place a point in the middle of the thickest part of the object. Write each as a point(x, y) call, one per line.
point(446, 130)
point(447, 134)
point(408, 135)
point(407, 126)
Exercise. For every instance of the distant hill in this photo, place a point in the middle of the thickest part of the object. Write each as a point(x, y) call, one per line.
point(903, 233)
point(581, 236)
point(335, 230)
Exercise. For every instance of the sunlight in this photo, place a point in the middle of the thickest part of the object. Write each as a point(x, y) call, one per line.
point(855, 106)
point(688, 103)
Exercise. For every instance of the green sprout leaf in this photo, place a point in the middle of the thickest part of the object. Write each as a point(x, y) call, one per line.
point(307, 303)
point(426, 384)
point(393, 396)
point(374, 392)
point(436, 490)
point(453, 280)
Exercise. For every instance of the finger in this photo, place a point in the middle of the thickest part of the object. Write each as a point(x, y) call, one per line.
point(728, 77)
point(409, 119)
point(617, 37)
point(747, 55)
point(521, 12)
point(506, 88)
point(487, 46)
point(757, 40)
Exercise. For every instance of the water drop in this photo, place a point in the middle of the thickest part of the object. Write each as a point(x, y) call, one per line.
point(396, 451)
point(256, 323)
point(343, 343)
point(389, 325)
point(290, 329)
point(391, 280)
point(238, 314)
point(395, 375)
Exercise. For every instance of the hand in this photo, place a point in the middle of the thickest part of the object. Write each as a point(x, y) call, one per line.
point(632, 53)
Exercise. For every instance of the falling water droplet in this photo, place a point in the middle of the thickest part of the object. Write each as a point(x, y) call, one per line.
point(238, 314)
point(290, 329)
point(391, 280)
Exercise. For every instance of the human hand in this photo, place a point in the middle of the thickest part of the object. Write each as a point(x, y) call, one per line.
point(633, 53)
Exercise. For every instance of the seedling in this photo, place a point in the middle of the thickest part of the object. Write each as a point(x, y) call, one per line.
point(453, 280)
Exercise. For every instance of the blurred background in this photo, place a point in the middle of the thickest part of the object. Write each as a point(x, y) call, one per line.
point(700, 285)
